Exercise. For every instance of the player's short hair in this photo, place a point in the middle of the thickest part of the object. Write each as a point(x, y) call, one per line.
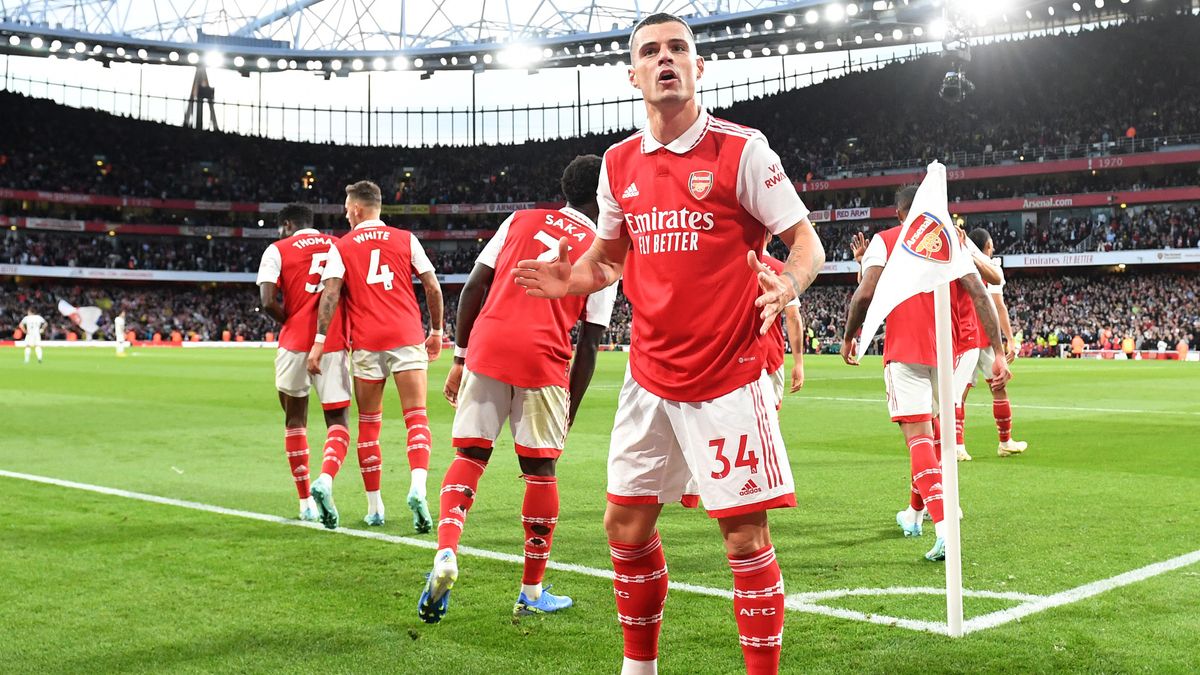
point(580, 180)
point(296, 214)
point(365, 193)
point(654, 20)
point(905, 196)
point(979, 237)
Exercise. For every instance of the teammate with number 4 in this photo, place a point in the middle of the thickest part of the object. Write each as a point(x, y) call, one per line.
point(684, 208)
point(32, 326)
point(537, 388)
point(370, 270)
point(294, 265)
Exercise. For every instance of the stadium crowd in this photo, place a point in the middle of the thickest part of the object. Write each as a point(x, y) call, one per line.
point(1019, 109)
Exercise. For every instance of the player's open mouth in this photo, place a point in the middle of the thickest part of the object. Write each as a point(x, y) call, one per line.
point(667, 76)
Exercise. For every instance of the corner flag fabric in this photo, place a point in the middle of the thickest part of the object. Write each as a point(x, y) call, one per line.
point(927, 254)
point(87, 318)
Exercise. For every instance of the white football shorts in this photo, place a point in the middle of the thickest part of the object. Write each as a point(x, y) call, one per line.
point(777, 385)
point(377, 366)
point(537, 417)
point(728, 451)
point(912, 387)
point(332, 384)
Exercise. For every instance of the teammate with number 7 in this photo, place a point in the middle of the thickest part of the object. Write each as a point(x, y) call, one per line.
point(370, 271)
point(684, 206)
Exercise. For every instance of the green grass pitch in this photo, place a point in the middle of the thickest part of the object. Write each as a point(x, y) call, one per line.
point(96, 582)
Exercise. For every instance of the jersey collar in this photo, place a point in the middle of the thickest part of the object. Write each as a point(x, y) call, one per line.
point(686, 141)
point(577, 215)
point(370, 223)
point(306, 231)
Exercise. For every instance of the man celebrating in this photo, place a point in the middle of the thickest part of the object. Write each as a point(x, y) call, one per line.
point(910, 368)
point(1001, 409)
point(531, 387)
point(684, 207)
point(371, 267)
point(294, 265)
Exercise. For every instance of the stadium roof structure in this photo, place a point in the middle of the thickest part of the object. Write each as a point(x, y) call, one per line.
point(342, 36)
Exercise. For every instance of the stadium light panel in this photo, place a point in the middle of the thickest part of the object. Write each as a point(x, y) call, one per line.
point(783, 49)
point(97, 49)
point(14, 40)
point(214, 59)
point(748, 28)
point(712, 56)
point(357, 64)
point(879, 37)
point(454, 60)
point(731, 54)
point(766, 51)
point(173, 56)
point(858, 39)
point(615, 46)
point(336, 64)
point(143, 54)
point(800, 47)
point(55, 46)
point(474, 59)
point(1029, 15)
point(1075, 6)
point(292, 65)
point(1099, 4)
point(379, 63)
point(193, 58)
point(80, 47)
point(443, 61)
point(120, 51)
point(835, 13)
point(399, 63)
point(879, 5)
point(746, 53)
point(789, 20)
point(768, 24)
point(487, 59)
point(811, 16)
point(839, 42)
point(1050, 10)
point(263, 63)
point(852, 9)
point(36, 42)
point(819, 44)
point(918, 31)
point(937, 29)
point(897, 34)
point(418, 62)
point(281, 64)
point(239, 61)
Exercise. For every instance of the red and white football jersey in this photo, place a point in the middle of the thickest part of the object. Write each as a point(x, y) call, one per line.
point(295, 264)
point(376, 263)
point(774, 342)
point(909, 336)
point(981, 338)
point(692, 209)
point(526, 341)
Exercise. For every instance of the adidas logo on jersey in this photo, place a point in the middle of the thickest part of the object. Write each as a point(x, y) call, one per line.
point(630, 191)
point(750, 488)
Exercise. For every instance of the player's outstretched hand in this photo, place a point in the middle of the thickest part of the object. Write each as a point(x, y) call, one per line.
point(453, 382)
point(1000, 374)
point(858, 245)
point(776, 292)
point(433, 347)
point(797, 377)
point(849, 349)
point(546, 278)
point(314, 359)
point(1010, 353)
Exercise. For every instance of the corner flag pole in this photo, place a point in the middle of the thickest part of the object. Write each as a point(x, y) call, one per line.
point(946, 401)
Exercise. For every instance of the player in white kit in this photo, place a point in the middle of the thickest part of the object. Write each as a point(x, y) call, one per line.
point(119, 330)
point(32, 326)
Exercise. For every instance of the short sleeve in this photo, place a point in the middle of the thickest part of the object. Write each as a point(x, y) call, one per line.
point(420, 261)
point(600, 305)
point(765, 191)
point(334, 267)
point(270, 267)
point(611, 221)
point(794, 302)
point(491, 253)
point(876, 253)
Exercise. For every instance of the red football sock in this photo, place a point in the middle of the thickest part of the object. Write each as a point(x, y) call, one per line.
point(937, 441)
point(337, 442)
point(927, 474)
point(370, 455)
point(1002, 411)
point(539, 515)
point(758, 605)
point(458, 494)
point(295, 442)
point(420, 440)
point(640, 584)
point(915, 500)
point(960, 416)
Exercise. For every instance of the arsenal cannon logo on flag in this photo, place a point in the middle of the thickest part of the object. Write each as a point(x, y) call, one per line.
point(927, 238)
point(700, 183)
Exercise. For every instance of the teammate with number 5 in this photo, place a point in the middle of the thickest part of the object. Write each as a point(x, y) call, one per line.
point(371, 269)
point(293, 266)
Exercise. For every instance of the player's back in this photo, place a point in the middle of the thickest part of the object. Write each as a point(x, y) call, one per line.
point(518, 339)
point(381, 306)
point(302, 259)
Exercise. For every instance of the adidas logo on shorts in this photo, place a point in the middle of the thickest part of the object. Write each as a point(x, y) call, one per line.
point(750, 488)
point(630, 191)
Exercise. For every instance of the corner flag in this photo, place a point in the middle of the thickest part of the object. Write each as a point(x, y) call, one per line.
point(927, 257)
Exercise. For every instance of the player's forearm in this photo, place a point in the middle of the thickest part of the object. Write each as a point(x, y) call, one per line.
point(437, 311)
point(805, 257)
point(328, 305)
point(857, 313)
point(583, 366)
point(795, 331)
point(593, 272)
point(989, 272)
point(985, 310)
point(1005, 324)
point(269, 300)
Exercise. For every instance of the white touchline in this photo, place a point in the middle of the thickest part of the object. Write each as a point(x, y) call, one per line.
point(801, 602)
point(800, 398)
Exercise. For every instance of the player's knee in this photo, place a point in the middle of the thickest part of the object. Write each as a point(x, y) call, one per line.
point(630, 524)
point(537, 466)
point(338, 416)
point(476, 453)
point(745, 534)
